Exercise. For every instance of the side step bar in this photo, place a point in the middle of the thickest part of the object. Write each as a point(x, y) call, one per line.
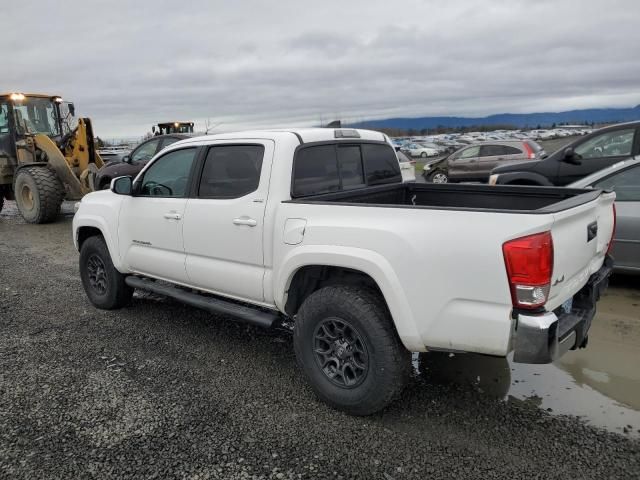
point(250, 315)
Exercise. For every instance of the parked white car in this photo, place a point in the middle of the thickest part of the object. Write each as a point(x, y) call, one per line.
point(315, 227)
point(407, 167)
point(419, 150)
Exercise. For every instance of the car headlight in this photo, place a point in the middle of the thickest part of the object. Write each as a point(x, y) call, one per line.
point(426, 167)
point(493, 179)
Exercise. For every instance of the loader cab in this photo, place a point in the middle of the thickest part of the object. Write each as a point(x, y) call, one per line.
point(172, 127)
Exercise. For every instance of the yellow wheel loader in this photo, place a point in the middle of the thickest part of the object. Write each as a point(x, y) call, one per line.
point(46, 155)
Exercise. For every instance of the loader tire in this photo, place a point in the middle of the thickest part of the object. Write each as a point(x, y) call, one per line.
point(38, 193)
point(348, 348)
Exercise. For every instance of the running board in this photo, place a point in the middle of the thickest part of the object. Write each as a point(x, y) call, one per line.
point(250, 315)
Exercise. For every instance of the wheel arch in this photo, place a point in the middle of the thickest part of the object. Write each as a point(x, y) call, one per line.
point(302, 273)
point(524, 178)
point(91, 227)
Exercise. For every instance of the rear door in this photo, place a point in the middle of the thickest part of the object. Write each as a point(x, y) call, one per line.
point(224, 223)
point(626, 247)
point(598, 152)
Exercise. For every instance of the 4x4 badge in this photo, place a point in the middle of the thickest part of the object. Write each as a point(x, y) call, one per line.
point(558, 280)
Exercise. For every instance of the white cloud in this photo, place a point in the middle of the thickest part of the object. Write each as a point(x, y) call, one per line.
point(130, 64)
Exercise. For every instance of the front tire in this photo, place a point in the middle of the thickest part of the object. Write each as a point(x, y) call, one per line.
point(439, 177)
point(349, 351)
point(103, 284)
point(423, 154)
point(38, 193)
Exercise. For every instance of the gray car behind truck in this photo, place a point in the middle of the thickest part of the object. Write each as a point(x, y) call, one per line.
point(475, 162)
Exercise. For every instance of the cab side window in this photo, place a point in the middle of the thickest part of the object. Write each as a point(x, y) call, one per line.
point(608, 144)
point(231, 171)
point(145, 151)
point(626, 184)
point(168, 176)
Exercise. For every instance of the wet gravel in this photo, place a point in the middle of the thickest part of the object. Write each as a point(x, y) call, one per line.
point(160, 390)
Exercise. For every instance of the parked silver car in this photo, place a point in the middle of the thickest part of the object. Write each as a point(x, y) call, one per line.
point(624, 178)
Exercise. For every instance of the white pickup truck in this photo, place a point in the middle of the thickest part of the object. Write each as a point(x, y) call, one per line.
point(315, 227)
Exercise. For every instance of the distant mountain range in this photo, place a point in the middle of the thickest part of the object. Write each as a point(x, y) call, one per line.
point(519, 120)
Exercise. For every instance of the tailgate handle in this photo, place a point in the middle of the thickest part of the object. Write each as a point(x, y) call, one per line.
point(592, 231)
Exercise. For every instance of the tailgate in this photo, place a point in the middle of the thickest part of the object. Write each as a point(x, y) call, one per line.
point(581, 237)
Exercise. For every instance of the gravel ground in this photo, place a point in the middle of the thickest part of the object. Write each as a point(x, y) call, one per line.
point(160, 390)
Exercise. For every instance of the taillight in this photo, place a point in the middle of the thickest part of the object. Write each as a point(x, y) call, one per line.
point(529, 262)
point(613, 231)
point(529, 151)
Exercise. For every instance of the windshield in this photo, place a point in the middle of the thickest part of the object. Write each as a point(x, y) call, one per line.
point(175, 128)
point(37, 115)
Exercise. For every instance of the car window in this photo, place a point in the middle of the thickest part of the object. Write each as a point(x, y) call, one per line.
point(470, 152)
point(231, 171)
point(350, 166)
point(329, 168)
point(4, 118)
point(316, 171)
point(508, 150)
point(168, 141)
point(145, 151)
point(402, 157)
point(608, 144)
point(168, 176)
point(380, 164)
point(626, 184)
point(490, 150)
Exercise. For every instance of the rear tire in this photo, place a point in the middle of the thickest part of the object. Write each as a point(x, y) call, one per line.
point(38, 193)
point(346, 345)
point(103, 284)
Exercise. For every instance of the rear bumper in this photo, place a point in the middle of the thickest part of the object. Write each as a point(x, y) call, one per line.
point(544, 337)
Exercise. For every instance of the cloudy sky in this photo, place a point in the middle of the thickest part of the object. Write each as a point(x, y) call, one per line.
point(128, 64)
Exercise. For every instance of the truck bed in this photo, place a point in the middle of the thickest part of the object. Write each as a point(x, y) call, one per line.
point(500, 198)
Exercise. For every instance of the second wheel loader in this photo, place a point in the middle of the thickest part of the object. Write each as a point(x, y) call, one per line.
point(46, 155)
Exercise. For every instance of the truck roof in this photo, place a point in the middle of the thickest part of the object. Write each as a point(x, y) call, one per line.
point(305, 135)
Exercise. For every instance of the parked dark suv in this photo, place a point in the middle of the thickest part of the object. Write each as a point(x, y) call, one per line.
point(582, 157)
point(134, 162)
point(475, 162)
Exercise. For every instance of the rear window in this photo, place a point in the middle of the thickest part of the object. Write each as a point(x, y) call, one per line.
point(330, 168)
point(380, 164)
point(535, 146)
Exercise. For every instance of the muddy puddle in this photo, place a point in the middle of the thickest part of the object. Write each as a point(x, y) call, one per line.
point(600, 384)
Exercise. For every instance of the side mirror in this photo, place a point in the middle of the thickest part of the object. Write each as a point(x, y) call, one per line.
point(570, 156)
point(153, 129)
point(72, 109)
point(122, 185)
point(126, 159)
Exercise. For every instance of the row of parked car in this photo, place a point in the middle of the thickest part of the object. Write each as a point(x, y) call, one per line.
point(608, 158)
point(437, 145)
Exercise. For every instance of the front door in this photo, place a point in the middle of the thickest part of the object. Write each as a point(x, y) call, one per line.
point(462, 163)
point(150, 225)
point(224, 223)
point(596, 153)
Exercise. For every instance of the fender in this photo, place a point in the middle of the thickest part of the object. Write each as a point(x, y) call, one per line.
point(511, 177)
point(365, 261)
point(95, 221)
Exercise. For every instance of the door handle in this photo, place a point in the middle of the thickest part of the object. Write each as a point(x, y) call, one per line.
point(172, 216)
point(250, 222)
